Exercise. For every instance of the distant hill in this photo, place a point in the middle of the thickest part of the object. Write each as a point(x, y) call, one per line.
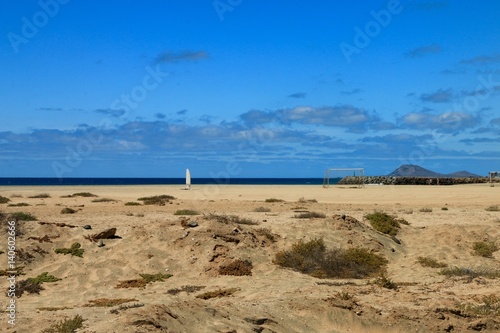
point(410, 170)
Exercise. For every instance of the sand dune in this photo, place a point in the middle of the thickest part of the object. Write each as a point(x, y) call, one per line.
point(151, 240)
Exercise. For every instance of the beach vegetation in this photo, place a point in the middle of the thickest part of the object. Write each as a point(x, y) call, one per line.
point(186, 289)
point(266, 233)
point(470, 273)
point(384, 223)
point(274, 200)
point(186, 212)
point(159, 200)
point(425, 210)
point(313, 258)
point(444, 208)
point(84, 194)
point(104, 200)
point(109, 302)
point(262, 210)
point(484, 249)
point(303, 200)
point(429, 262)
point(229, 219)
point(143, 280)
point(66, 325)
point(310, 215)
point(488, 305)
point(22, 216)
point(217, 293)
point(74, 250)
point(44, 277)
point(68, 211)
point(19, 204)
point(385, 282)
point(4, 200)
point(158, 277)
point(493, 209)
point(40, 196)
point(133, 203)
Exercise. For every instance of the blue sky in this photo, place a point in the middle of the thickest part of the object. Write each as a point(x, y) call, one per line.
point(239, 88)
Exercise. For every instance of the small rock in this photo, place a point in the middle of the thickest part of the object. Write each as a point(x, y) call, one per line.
point(87, 226)
point(100, 243)
point(185, 234)
point(343, 217)
point(192, 224)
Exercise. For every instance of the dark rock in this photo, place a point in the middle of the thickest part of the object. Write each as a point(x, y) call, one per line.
point(192, 224)
point(87, 226)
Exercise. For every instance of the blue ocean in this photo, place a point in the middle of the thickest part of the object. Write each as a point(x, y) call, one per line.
point(21, 181)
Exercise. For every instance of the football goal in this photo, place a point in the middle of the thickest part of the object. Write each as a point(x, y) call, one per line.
point(344, 176)
point(494, 177)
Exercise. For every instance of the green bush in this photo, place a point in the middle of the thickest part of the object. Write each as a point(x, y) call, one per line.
point(40, 196)
point(133, 203)
point(484, 249)
point(19, 204)
point(315, 259)
point(21, 216)
point(44, 277)
point(74, 250)
point(274, 200)
point(103, 200)
point(84, 194)
point(157, 199)
point(429, 262)
point(4, 200)
point(66, 325)
point(384, 223)
point(158, 277)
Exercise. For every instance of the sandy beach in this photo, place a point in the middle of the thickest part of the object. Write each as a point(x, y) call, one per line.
point(190, 251)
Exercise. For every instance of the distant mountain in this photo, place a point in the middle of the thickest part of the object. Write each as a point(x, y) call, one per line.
point(462, 174)
point(410, 170)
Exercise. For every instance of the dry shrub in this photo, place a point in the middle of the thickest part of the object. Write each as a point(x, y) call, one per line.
point(159, 200)
point(4, 200)
point(315, 259)
point(104, 200)
point(134, 283)
point(217, 293)
point(40, 196)
point(27, 286)
point(66, 325)
point(186, 212)
point(84, 194)
point(109, 302)
point(262, 210)
point(310, 215)
point(186, 289)
point(229, 219)
point(429, 262)
point(21, 216)
point(489, 305)
point(484, 249)
point(237, 267)
point(274, 200)
point(266, 233)
point(68, 211)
